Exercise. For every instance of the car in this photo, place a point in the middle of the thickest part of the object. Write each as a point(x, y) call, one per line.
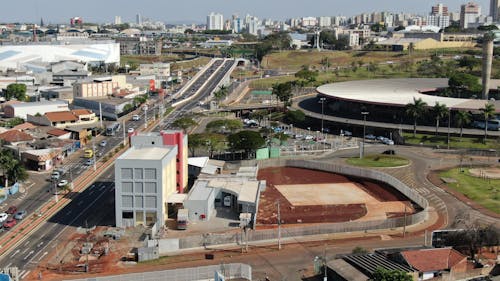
point(389, 152)
point(130, 130)
point(62, 183)
point(103, 143)
point(346, 133)
point(11, 210)
point(388, 141)
point(380, 138)
point(370, 137)
point(136, 117)
point(20, 215)
point(89, 162)
point(3, 217)
point(298, 136)
point(55, 175)
point(309, 137)
point(11, 222)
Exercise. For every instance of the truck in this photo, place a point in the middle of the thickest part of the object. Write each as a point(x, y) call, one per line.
point(182, 219)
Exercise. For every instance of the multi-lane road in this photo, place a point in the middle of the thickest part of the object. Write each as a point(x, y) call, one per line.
point(95, 204)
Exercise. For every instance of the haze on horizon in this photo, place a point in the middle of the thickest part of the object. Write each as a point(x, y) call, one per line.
point(101, 11)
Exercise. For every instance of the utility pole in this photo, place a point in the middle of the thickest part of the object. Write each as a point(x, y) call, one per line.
point(100, 113)
point(364, 113)
point(124, 137)
point(94, 153)
point(449, 124)
point(322, 113)
point(404, 223)
point(279, 226)
point(71, 178)
point(325, 278)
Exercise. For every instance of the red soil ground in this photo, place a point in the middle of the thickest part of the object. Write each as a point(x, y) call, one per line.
point(315, 213)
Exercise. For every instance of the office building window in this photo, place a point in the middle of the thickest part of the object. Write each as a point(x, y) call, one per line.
point(139, 202)
point(138, 174)
point(150, 202)
point(127, 201)
point(150, 187)
point(127, 173)
point(150, 174)
point(127, 187)
point(139, 187)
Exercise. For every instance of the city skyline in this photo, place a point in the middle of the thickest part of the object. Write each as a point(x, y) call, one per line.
point(57, 11)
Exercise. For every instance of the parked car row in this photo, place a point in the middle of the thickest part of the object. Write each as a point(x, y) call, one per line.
point(381, 139)
point(10, 217)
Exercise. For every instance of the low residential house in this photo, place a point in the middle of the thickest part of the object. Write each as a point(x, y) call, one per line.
point(24, 126)
point(22, 109)
point(60, 134)
point(65, 118)
point(40, 159)
point(15, 137)
point(431, 263)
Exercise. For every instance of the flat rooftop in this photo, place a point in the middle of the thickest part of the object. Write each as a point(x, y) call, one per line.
point(145, 153)
point(398, 92)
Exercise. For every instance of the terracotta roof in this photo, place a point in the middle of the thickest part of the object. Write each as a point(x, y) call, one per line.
point(24, 126)
point(57, 132)
point(79, 112)
point(433, 259)
point(15, 136)
point(61, 116)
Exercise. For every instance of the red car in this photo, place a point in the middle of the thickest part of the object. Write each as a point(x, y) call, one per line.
point(12, 210)
point(9, 223)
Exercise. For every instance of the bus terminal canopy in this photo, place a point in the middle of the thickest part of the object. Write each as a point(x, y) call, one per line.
point(398, 93)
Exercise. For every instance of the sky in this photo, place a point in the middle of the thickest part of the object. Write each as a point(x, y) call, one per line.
point(102, 11)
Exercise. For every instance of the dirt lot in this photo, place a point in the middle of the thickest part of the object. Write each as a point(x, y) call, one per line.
point(301, 188)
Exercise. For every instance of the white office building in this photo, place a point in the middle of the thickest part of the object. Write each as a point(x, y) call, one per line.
point(438, 20)
point(215, 21)
point(145, 176)
point(325, 21)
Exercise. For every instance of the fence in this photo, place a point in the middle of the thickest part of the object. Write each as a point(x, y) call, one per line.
point(210, 239)
point(230, 271)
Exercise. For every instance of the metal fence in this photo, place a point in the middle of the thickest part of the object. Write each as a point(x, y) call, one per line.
point(212, 239)
point(230, 271)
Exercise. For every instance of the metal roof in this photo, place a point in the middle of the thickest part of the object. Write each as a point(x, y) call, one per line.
point(368, 263)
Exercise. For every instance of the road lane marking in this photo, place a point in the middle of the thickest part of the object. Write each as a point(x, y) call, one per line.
point(17, 251)
point(39, 244)
point(28, 255)
point(8, 265)
point(43, 255)
point(25, 250)
point(25, 274)
point(27, 242)
point(21, 274)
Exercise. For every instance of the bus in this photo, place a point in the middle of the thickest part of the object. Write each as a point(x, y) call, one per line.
point(493, 125)
point(112, 128)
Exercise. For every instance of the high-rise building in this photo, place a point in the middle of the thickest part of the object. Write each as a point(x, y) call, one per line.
point(118, 20)
point(253, 25)
point(495, 10)
point(439, 10)
point(325, 21)
point(138, 19)
point(215, 21)
point(469, 13)
point(237, 25)
point(438, 20)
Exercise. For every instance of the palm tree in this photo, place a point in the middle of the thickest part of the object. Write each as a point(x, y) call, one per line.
point(440, 111)
point(414, 110)
point(488, 111)
point(462, 118)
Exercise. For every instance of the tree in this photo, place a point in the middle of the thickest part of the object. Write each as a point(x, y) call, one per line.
point(195, 141)
point(306, 74)
point(378, 27)
point(14, 122)
point(295, 116)
point(382, 274)
point(128, 107)
point(184, 123)
point(283, 92)
point(12, 168)
point(488, 111)
point(223, 125)
point(469, 62)
point(359, 250)
point(15, 90)
point(246, 140)
point(440, 111)
point(221, 93)
point(459, 81)
point(258, 115)
point(462, 118)
point(415, 110)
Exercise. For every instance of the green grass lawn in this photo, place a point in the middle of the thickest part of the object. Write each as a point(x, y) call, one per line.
point(455, 142)
point(378, 160)
point(482, 191)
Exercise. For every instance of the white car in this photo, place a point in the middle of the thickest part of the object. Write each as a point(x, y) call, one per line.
point(136, 117)
point(3, 217)
point(309, 137)
point(62, 183)
point(130, 130)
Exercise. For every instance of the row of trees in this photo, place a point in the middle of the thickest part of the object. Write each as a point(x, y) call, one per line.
point(418, 108)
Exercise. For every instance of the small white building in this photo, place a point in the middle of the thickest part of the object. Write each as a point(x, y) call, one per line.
point(22, 109)
point(158, 69)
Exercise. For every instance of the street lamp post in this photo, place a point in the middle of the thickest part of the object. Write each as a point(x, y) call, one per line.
point(449, 121)
point(364, 113)
point(322, 100)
